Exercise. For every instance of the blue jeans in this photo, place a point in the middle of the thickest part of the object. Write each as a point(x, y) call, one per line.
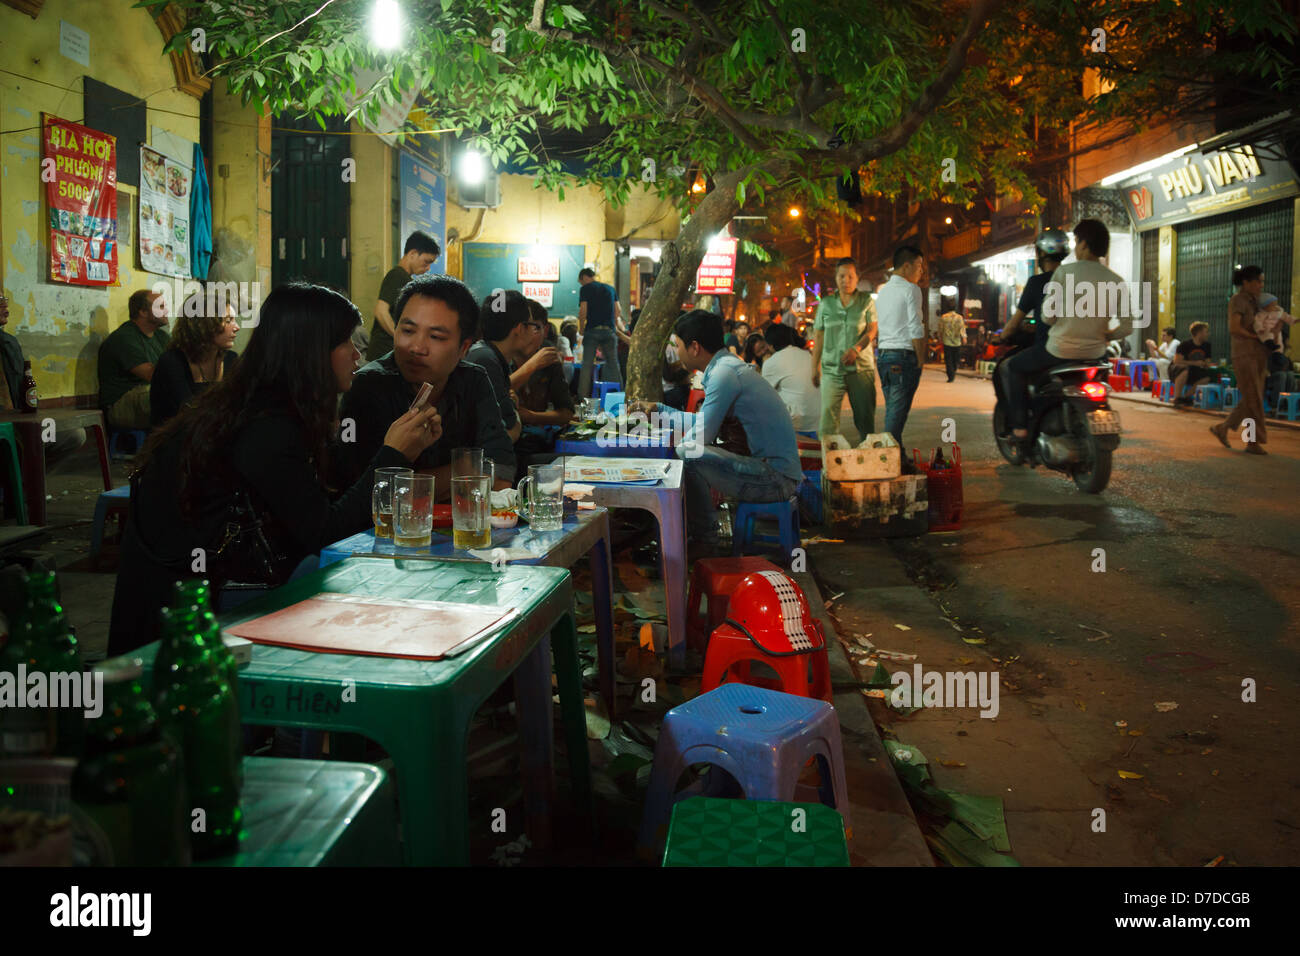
point(735, 476)
point(900, 374)
point(602, 337)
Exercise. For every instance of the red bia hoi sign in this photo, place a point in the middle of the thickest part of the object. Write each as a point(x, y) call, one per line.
point(79, 169)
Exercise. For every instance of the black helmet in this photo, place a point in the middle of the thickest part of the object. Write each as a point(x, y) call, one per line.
point(1052, 244)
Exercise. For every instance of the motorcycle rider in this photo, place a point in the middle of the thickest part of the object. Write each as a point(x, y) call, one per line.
point(1078, 332)
point(1051, 248)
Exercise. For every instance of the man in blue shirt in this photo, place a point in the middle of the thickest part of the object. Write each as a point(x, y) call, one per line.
point(759, 460)
point(600, 318)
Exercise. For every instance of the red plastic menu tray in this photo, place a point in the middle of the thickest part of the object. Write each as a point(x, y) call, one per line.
point(378, 627)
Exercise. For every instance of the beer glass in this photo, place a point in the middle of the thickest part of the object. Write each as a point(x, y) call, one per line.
point(412, 511)
point(467, 462)
point(381, 499)
point(471, 511)
point(541, 496)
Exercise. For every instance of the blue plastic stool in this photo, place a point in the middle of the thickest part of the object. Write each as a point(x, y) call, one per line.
point(1231, 396)
point(601, 389)
point(1288, 405)
point(118, 500)
point(1208, 396)
point(1165, 391)
point(762, 738)
point(138, 436)
point(1143, 372)
point(806, 434)
point(613, 401)
point(810, 495)
point(10, 455)
point(786, 513)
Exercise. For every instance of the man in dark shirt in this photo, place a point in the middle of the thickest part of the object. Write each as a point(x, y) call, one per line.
point(600, 317)
point(544, 400)
point(1191, 363)
point(67, 440)
point(127, 359)
point(508, 328)
point(437, 320)
point(420, 252)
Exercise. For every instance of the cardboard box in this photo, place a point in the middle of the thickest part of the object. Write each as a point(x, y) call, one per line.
point(877, 457)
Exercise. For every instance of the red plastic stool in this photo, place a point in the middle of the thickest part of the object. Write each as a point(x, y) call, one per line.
point(716, 578)
point(810, 453)
point(769, 621)
point(695, 400)
point(1120, 383)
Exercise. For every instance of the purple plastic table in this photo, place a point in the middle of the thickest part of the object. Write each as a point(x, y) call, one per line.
point(586, 533)
point(665, 501)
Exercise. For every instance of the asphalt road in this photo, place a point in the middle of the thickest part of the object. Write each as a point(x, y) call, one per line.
point(1200, 595)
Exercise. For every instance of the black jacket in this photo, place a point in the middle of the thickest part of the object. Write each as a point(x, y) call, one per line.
point(269, 458)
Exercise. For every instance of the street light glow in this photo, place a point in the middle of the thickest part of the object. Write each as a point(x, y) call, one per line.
point(471, 167)
point(794, 212)
point(386, 24)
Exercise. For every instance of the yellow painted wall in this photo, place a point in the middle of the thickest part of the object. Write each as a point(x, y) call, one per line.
point(60, 326)
point(370, 220)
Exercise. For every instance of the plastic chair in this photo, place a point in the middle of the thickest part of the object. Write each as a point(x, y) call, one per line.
point(1288, 405)
point(118, 502)
point(1143, 372)
point(10, 455)
point(706, 831)
point(1208, 396)
point(731, 652)
point(762, 738)
point(716, 578)
point(1231, 396)
point(786, 514)
point(115, 435)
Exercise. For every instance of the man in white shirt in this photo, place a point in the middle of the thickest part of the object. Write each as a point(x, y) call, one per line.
point(901, 337)
point(1079, 331)
point(790, 370)
point(1164, 353)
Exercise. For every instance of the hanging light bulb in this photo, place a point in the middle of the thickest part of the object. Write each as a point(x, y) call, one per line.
point(795, 212)
point(386, 24)
point(698, 186)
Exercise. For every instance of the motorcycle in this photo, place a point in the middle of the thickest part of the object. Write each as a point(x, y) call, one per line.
point(1072, 428)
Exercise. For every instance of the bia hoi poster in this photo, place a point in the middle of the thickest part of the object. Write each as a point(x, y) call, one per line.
point(164, 214)
point(79, 169)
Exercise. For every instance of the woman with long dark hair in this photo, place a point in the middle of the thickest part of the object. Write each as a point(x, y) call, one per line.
point(200, 354)
point(1249, 361)
point(257, 443)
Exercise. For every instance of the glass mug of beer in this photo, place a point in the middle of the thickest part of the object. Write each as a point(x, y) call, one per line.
point(412, 511)
point(381, 499)
point(541, 496)
point(471, 511)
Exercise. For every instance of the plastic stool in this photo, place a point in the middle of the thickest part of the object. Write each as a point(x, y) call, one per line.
point(1121, 366)
point(762, 738)
point(601, 389)
point(1120, 383)
point(731, 651)
point(695, 400)
point(1288, 405)
point(116, 502)
point(1208, 396)
point(1231, 396)
point(1163, 390)
point(810, 496)
point(706, 831)
point(137, 435)
point(10, 454)
point(1143, 372)
point(614, 401)
point(786, 514)
point(716, 578)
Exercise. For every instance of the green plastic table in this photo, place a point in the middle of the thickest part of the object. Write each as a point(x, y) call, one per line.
point(315, 813)
point(707, 831)
point(420, 711)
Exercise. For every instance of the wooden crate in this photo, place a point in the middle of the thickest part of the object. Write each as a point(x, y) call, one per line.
point(875, 458)
point(869, 507)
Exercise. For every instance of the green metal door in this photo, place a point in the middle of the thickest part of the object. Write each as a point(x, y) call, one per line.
point(309, 203)
point(1209, 251)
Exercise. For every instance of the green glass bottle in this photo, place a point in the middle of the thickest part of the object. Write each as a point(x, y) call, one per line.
point(25, 731)
point(128, 789)
point(60, 648)
point(198, 710)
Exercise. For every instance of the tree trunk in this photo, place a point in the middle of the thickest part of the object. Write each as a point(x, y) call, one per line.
point(660, 311)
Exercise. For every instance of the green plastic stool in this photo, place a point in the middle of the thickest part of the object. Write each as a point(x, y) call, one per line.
point(10, 455)
point(706, 831)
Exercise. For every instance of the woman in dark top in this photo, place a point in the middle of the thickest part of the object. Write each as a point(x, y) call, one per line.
point(264, 431)
point(198, 355)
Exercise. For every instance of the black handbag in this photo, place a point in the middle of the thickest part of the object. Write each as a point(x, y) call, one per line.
point(243, 557)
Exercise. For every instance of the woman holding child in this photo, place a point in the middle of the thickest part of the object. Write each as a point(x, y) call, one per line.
point(1249, 362)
